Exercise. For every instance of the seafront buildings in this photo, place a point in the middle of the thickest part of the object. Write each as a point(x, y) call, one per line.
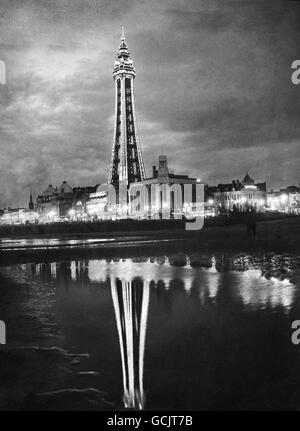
point(18, 216)
point(285, 200)
point(63, 201)
point(161, 195)
point(240, 195)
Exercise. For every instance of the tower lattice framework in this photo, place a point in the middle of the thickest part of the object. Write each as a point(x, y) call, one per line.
point(127, 165)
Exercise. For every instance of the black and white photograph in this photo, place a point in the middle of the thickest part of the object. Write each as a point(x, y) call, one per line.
point(149, 208)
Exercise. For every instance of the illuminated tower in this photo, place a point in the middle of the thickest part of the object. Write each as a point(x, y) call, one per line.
point(131, 301)
point(127, 164)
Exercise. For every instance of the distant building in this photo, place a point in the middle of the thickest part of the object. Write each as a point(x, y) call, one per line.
point(81, 200)
point(170, 200)
point(285, 200)
point(18, 216)
point(97, 205)
point(294, 201)
point(240, 196)
point(164, 195)
point(46, 204)
point(64, 201)
point(55, 202)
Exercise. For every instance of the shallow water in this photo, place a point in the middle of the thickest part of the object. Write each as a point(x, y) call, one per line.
point(178, 332)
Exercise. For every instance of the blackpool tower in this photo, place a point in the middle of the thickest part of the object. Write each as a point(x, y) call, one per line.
point(127, 164)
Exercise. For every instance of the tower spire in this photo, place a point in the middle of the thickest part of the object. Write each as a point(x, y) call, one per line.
point(123, 34)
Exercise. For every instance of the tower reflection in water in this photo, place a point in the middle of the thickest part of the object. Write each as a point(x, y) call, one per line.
point(202, 284)
point(131, 303)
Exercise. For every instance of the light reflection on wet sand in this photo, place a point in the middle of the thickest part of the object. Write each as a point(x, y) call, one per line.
point(135, 294)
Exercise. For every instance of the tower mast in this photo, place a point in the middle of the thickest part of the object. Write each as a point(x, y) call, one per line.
point(127, 165)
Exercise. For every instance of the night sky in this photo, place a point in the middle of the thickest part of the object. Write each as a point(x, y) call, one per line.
point(213, 89)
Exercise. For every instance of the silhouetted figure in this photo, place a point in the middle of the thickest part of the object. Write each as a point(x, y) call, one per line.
point(250, 224)
point(253, 227)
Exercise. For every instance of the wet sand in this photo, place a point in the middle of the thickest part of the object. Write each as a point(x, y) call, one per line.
point(62, 351)
point(276, 235)
point(33, 365)
point(36, 370)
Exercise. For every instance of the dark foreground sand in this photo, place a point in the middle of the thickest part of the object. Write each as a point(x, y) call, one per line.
point(30, 370)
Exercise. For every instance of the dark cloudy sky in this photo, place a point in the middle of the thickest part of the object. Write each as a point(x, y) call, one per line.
point(213, 89)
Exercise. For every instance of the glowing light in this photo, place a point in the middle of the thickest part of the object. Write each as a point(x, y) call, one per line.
point(210, 202)
point(132, 341)
point(283, 198)
point(256, 290)
point(71, 212)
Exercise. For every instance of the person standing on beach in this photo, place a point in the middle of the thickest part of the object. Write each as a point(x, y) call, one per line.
point(250, 223)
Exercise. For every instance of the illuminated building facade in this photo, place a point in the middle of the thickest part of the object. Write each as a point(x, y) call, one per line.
point(97, 205)
point(55, 202)
point(127, 164)
point(294, 201)
point(285, 200)
point(18, 216)
point(240, 196)
point(64, 201)
point(81, 200)
point(165, 195)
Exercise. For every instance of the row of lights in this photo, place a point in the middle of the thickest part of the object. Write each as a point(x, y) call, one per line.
point(243, 200)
